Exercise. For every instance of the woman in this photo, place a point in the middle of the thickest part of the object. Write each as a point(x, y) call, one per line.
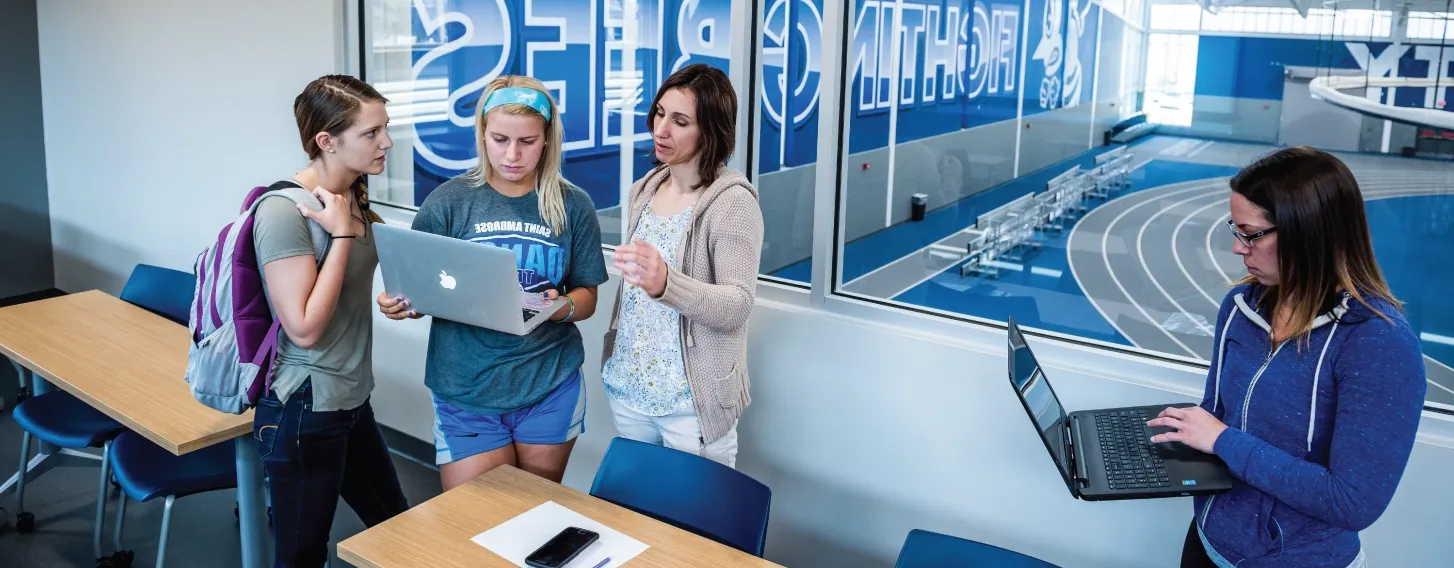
point(501, 399)
point(1317, 382)
point(675, 360)
point(315, 428)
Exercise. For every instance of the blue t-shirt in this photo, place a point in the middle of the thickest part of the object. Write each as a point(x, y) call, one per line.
point(492, 372)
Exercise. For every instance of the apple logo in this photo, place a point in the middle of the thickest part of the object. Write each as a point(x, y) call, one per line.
point(446, 280)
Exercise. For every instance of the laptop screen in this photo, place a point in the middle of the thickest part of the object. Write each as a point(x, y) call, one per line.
point(1044, 408)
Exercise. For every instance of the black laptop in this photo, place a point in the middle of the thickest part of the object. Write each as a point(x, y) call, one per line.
point(1107, 454)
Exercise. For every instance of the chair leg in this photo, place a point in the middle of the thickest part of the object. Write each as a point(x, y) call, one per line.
point(101, 497)
point(24, 521)
point(24, 462)
point(166, 524)
point(120, 520)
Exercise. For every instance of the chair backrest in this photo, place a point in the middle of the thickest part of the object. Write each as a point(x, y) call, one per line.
point(687, 491)
point(925, 549)
point(162, 291)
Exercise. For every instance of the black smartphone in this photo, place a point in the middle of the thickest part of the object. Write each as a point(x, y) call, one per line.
point(561, 548)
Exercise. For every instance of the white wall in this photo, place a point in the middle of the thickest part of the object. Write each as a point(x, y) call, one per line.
point(161, 115)
point(863, 431)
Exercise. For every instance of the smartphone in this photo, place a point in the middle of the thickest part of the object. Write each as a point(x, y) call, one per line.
point(562, 548)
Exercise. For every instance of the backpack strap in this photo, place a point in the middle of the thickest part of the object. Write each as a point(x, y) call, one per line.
point(295, 192)
point(321, 245)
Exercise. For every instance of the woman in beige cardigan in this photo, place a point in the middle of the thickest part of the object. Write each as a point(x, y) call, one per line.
point(676, 354)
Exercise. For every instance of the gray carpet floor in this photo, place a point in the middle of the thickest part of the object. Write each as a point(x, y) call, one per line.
point(204, 532)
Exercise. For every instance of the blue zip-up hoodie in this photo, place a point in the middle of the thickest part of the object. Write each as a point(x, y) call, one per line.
point(1318, 433)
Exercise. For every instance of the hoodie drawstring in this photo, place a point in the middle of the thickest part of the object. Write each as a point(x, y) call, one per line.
point(1313, 408)
point(1221, 361)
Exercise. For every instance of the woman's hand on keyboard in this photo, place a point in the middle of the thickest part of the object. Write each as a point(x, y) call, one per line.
point(1194, 427)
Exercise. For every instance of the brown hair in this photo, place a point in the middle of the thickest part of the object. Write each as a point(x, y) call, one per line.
point(331, 104)
point(1323, 242)
point(716, 115)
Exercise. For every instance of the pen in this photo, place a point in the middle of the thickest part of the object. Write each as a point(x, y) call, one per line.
point(602, 563)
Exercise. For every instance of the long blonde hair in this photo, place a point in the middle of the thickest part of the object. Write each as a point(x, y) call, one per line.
point(549, 183)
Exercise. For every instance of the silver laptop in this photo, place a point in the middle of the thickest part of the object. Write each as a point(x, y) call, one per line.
point(459, 280)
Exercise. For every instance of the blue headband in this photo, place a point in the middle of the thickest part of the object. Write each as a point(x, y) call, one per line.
point(519, 96)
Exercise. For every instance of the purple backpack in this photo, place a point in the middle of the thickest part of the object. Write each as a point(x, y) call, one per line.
point(234, 332)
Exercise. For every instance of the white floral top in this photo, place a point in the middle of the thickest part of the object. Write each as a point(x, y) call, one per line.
point(646, 371)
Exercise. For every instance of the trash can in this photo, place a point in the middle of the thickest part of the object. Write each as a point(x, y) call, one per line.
point(918, 205)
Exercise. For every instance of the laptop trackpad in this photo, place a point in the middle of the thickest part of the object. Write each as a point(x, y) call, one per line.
point(533, 301)
point(534, 307)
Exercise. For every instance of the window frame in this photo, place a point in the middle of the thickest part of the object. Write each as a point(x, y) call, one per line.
point(355, 56)
point(1280, 22)
point(822, 297)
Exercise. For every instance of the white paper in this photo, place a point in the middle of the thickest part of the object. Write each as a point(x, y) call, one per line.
point(516, 538)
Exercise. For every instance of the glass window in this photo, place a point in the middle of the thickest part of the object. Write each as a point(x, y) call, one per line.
point(974, 179)
point(933, 179)
point(1171, 76)
point(1428, 25)
point(1176, 17)
point(1274, 20)
point(787, 94)
point(602, 59)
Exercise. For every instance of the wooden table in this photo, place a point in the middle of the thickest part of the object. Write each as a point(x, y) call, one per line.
point(129, 363)
point(437, 533)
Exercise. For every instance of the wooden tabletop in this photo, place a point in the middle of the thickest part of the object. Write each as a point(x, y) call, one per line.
point(437, 533)
point(120, 359)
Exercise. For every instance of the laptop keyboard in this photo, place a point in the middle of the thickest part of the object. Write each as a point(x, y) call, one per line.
point(1131, 460)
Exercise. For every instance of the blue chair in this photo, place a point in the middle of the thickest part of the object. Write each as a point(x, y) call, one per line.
point(162, 291)
point(687, 491)
point(924, 549)
point(61, 419)
point(147, 471)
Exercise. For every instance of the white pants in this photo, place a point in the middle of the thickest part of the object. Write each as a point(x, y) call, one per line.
point(681, 431)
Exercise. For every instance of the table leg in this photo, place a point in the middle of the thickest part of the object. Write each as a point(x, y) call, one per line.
point(19, 386)
point(252, 512)
point(40, 386)
point(19, 373)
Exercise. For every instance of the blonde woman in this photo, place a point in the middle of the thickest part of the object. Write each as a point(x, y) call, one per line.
point(501, 399)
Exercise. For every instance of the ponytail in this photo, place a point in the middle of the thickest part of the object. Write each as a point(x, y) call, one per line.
point(361, 196)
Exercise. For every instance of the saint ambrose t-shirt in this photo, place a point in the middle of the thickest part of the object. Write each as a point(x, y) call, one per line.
point(492, 372)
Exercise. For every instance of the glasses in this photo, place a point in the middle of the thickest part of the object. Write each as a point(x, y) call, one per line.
point(1245, 238)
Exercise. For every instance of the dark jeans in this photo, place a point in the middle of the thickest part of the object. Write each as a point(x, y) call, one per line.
point(313, 458)
point(1193, 554)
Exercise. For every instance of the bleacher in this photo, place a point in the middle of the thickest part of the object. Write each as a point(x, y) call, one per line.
point(1005, 234)
point(1129, 130)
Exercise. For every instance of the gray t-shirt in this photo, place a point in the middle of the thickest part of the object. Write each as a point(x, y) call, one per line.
point(341, 364)
point(491, 372)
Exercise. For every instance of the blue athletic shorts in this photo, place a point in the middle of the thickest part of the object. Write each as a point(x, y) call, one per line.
point(556, 419)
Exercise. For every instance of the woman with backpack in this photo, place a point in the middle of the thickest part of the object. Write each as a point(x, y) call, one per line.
point(675, 360)
point(502, 399)
point(1317, 381)
point(315, 428)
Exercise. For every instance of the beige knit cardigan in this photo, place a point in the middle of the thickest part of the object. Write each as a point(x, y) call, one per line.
point(713, 288)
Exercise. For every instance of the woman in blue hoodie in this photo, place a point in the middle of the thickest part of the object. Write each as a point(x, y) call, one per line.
point(1317, 381)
